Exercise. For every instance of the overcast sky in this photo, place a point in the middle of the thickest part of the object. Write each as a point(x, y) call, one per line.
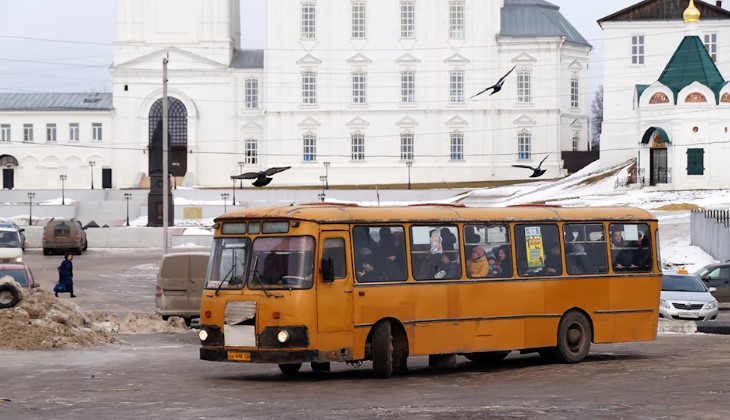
point(66, 46)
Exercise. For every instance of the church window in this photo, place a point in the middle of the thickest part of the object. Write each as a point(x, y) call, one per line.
point(725, 97)
point(5, 130)
point(659, 98)
point(524, 86)
point(359, 82)
point(576, 142)
point(407, 19)
point(524, 145)
point(456, 19)
point(51, 132)
point(457, 146)
point(695, 97)
point(96, 131)
point(252, 93)
point(574, 92)
point(359, 19)
point(358, 146)
point(309, 20)
point(309, 88)
point(73, 131)
point(710, 41)
point(695, 161)
point(252, 151)
point(406, 146)
point(27, 132)
point(310, 147)
point(637, 49)
point(456, 87)
point(408, 87)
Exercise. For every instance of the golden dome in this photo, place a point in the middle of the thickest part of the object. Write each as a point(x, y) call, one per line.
point(692, 14)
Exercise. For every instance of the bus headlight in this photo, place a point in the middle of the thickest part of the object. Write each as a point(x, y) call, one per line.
point(203, 335)
point(664, 304)
point(282, 336)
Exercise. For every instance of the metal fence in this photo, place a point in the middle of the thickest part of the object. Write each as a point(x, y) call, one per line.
point(710, 230)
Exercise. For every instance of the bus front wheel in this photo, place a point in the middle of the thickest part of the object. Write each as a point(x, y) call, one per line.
point(574, 339)
point(290, 368)
point(382, 351)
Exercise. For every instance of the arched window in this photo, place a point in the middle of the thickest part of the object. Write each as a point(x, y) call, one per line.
point(695, 97)
point(659, 98)
point(177, 121)
point(725, 97)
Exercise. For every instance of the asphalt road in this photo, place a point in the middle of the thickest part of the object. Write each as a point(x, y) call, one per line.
point(160, 376)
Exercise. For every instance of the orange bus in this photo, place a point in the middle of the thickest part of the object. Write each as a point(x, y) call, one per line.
point(321, 283)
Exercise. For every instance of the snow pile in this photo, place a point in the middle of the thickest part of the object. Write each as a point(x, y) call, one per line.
point(42, 321)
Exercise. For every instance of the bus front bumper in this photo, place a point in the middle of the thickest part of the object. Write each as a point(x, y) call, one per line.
point(257, 356)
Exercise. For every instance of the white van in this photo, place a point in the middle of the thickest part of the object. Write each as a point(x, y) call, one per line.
point(180, 281)
point(11, 246)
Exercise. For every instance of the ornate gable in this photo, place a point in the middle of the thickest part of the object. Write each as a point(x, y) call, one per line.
point(664, 10)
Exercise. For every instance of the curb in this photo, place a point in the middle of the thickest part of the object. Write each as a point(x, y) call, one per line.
point(691, 327)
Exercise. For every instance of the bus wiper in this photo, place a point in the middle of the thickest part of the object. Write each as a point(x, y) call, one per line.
point(223, 280)
point(256, 276)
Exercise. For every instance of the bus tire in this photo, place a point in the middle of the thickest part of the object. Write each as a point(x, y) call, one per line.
point(290, 368)
point(9, 296)
point(382, 351)
point(487, 357)
point(574, 338)
point(46, 251)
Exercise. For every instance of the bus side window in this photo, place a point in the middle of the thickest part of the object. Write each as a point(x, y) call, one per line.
point(631, 248)
point(435, 252)
point(585, 249)
point(537, 250)
point(488, 251)
point(333, 250)
point(382, 250)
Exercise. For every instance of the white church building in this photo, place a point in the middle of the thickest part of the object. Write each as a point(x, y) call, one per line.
point(666, 101)
point(366, 92)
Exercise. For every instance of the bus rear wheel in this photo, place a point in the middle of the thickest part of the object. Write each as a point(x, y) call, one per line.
point(290, 368)
point(574, 339)
point(383, 351)
point(487, 357)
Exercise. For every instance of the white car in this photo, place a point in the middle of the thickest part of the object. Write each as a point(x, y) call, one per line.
point(11, 246)
point(685, 297)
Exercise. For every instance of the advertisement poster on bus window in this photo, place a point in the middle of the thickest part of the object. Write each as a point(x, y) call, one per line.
point(535, 249)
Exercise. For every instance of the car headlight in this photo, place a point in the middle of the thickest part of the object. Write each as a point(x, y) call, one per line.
point(203, 335)
point(282, 336)
point(712, 305)
point(664, 304)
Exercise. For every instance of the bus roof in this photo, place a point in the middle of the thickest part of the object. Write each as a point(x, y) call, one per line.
point(344, 213)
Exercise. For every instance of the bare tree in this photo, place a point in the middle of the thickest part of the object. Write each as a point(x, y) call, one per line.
point(597, 118)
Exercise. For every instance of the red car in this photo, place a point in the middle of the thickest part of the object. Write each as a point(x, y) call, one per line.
point(21, 273)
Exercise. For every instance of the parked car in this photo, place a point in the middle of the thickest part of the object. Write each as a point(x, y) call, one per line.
point(180, 281)
point(9, 295)
point(64, 235)
point(11, 224)
point(11, 247)
point(685, 296)
point(717, 276)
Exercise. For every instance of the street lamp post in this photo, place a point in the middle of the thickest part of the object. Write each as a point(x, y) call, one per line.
point(127, 196)
point(409, 163)
point(240, 172)
point(233, 203)
point(224, 196)
point(63, 177)
point(322, 195)
point(31, 196)
point(91, 165)
point(326, 175)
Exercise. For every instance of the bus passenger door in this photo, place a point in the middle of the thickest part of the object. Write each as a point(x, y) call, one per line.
point(334, 299)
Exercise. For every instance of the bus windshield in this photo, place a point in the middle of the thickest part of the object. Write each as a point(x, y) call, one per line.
point(228, 267)
point(282, 262)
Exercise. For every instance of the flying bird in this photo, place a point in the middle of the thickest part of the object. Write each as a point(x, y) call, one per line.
point(497, 86)
point(262, 178)
point(536, 171)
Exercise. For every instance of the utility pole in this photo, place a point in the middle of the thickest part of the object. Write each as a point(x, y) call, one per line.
point(165, 140)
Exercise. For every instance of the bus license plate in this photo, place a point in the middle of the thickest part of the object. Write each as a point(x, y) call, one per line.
point(689, 315)
point(239, 357)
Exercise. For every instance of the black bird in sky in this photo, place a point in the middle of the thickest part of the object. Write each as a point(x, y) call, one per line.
point(497, 86)
point(536, 171)
point(262, 178)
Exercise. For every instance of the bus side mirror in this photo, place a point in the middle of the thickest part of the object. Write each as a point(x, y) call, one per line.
point(328, 270)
